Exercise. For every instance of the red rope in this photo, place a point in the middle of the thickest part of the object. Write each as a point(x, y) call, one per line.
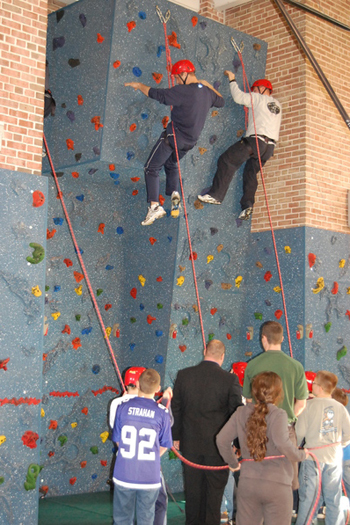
point(268, 212)
point(60, 196)
point(183, 198)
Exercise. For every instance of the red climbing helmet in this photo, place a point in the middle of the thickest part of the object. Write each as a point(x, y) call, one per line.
point(262, 82)
point(238, 368)
point(133, 374)
point(182, 66)
point(310, 377)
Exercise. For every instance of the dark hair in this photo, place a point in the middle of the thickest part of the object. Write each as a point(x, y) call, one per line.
point(266, 388)
point(149, 381)
point(273, 332)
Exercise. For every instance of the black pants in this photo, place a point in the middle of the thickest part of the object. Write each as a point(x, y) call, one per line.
point(232, 159)
point(204, 490)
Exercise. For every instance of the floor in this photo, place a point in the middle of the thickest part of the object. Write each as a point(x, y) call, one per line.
point(94, 509)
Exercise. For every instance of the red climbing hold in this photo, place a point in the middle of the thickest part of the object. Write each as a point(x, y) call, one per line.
point(53, 424)
point(182, 348)
point(134, 179)
point(194, 21)
point(104, 462)
point(75, 174)
point(267, 276)
point(135, 192)
point(51, 454)
point(133, 293)
point(159, 279)
point(72, 480)
point(132, 127)
point(76, 343)
point(116, 64)
point(97, 121)
point(85, 410)
point(172, 39)
point(70, 144)
point(30, 438)
point(78, 276)
point(152, 240)
point(68, 262)
point(111, 167)
point(194, 256)
point(213, 311)
point(83, 464)
point(157, 77)
point(100, 38)
point(312, 259)
point(107, 307)
point(229, 336)
point(278, 314)
point(335, 288)
point(66, 329)
point(101, 228)
point(161, 200)
point(80, 100)
point(165, 121)
point(38, 199)
point(150, 319)
point(131, 25)
point(3, 363)
point(50, 234)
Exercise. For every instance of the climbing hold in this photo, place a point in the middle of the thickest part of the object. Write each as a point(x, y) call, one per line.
point(142, 15)
point(208, 284)
point(130, 155)
point(119, 230)
point(159, 333)
point(226, 286)
point(70, 144)
point(62, 439)
point(50, 234)
point(157, 77)
point(108, 331)
point(132, 346)
point(85, 410)
point(193, 256)
point(80, 197)
point(159, 359)
point(103, 462)
point(133, 293)
point(108, 306)
point(32, 474)
point(73, 480)
point(165, 121)
point(185, 321)
point(203, 25)
point(3, 363)
point(267, 276)
point(74, 425)
point(250, 333)
point(104, 436)
point(58, 42)
point(258, 264)
point(78, 276)
point(36, 291)
point(79, 290)
point(86, 331)
point(82, 19)
point(211, 336)
point(341, 263)
point(238, 281)
point(277, 289)
point(214, 113)
point(194, 21)
point(55, 315)
point(137, 71)
point(309, 331)
point(80, 100)
point(172, 40)
point(53, 424)
point(278, 314)
point(42, 412)
point(131, 25)
point(319, 285)
point(300, 331)
point(38, 199)
point(58, 221)
point(213, 311)
point(116, 64)
point(100, 38)
point(312, 259)
point(142, 280)
point(101, 228)
point(97, 122)
point(180, 280)
point(96, 369)
point(213, 231)
point(213, 139)
point(30, 438)
point(76, 343)
point(68, 262)
point(202, 150)
point(327, 326)
point(210, 258)
point(37, 255)
point(335, 288)
point(152, 240)
point(219, 248)
point(134, 192)
point(258, 315)
point(342, 352)
point(288, 249)
point(66, 329)
point(99, 291)
point(182, 348)
point(159, 306)
point(2, 439)
point(132, 319)
point(150, 319)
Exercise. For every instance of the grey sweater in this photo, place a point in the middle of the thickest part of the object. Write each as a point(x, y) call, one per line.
point(279, 470)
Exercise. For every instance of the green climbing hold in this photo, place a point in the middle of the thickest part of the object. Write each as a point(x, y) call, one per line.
point(210, 337)
point(132, 319)
point(37, 255)
point(159, 306)
point(99, 291)
point(32, 474)
point(185, 321)
point(94, 450)
point(327, 326)
point(2, 479)
point(78, 317)
point(258, 315)
point(47, 288)
point(172, 455)
point(342, 352)
point(62, 439)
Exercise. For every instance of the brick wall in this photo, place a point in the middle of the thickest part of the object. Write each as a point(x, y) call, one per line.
point(53, 5)
point(22, 80)
point(306, 181)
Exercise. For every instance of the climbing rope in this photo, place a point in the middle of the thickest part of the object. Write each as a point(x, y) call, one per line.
point(237, 49)
point(164, 20)
point(77, 249)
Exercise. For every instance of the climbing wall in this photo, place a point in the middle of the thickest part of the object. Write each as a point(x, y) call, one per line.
point(23, 213)
point(99, 140)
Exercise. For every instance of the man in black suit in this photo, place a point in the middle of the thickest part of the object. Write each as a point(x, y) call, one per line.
point(205, 396)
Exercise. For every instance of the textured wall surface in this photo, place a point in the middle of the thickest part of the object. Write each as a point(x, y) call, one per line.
point(22, 285)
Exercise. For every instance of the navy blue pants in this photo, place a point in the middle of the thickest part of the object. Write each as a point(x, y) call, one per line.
point(164, 154)
point(232, 159)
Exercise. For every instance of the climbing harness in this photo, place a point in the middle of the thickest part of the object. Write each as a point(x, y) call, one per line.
point(245, 80)
point(77, 249)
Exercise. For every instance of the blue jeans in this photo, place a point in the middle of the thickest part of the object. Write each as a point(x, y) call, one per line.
point(227, 500)
point(126, 501)
point(346, 477)
point(331, 492)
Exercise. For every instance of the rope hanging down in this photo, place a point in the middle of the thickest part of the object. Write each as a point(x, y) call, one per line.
point(171, 84)
point(245, 79)
point(60, 196)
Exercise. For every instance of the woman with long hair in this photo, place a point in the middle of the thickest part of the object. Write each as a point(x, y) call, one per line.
point(265, 485)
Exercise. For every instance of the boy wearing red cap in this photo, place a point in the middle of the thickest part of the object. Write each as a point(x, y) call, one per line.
point(191, 100)
point(266, 123)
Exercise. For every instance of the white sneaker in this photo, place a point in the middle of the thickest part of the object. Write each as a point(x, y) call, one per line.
point(208, 198)
point(245, 214)
point(175, 204)
point(154, 212)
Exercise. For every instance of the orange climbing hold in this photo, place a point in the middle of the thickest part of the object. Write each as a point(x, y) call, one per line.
point(116, 64)
point(50, 234)
point(97, 121)
point(75, 174)
point(135, 192)
point(66, 329)
point(152, 240)
point(78, 276)
point(157, 77)
point(312, 259)
point(133, 293)
point(111, 167)
point(194, 21)
point(76, 343)
point(80, 100)
point(131, 25)
point(335, 288)
point(134, 179)
point(165, 121)
point(70, 144)
point(213, 311)
point(85, 411)
point(38, 199)
point(83, 464)
point(150, 319)
point(101, 228)
point(132, 127)
point(53, 424)
point(100, 38)
point(172, 39)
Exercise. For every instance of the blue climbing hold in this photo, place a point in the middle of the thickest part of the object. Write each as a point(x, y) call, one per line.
point(58, 221)
point(142, 307)
point(159, 359)
point(130, 155)
point(137, 71)
point(94, 476)
point(114, 176)
point(144, 116)
point(80, 197)
point(56, 288)
point(160, 50)
point(86, 331)
point(142, 15)
point(95, 369)
point(109, 267)
point(80, 251)
point(159, 333)
point(132, 346)
point(213, 139)
point(203, 25)
point(120, 230)
point(170, 238)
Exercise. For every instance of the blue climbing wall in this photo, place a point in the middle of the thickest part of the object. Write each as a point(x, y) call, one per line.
point(99, 140)
point(23, 213)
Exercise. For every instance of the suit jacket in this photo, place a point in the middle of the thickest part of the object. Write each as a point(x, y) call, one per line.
point(205, 396)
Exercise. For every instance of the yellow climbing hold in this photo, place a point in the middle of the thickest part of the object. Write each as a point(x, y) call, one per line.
point(108, 331)
point(319, 285)
point(277, 289)
point(220, 247)
point(348, 291)
point(79, 290)
point(36, 291)
point(175, 213)
point(202, 150)
point(341, 263)
point(42, 412)
point(288, 249)
point(73, 425)
point(142, 280)
point(2, 439)
point(104, 436)
point(180, 280)
point(210, 258)
point(238, 281)
point(56, 315)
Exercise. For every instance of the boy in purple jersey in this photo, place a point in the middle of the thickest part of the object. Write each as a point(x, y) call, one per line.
point(142, 431)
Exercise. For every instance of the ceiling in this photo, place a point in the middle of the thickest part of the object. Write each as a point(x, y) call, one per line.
point(220, 5)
